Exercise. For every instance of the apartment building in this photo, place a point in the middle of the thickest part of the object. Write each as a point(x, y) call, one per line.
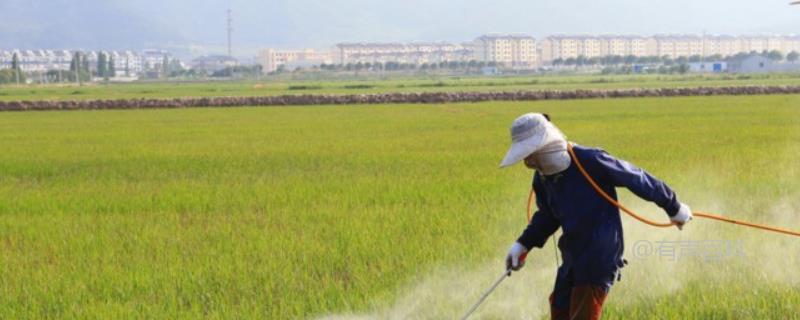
point(36, 60)
point(515, 51)
point(415, 53)
point(126, 63)
point(272, 59)
point(564, 47)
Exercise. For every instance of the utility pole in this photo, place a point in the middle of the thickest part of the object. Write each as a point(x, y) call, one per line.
point(230, 31)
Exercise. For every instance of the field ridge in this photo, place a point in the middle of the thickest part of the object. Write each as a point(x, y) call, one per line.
point(389, 98)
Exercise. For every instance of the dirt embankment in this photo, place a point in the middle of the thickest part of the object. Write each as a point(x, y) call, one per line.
point(389, 98)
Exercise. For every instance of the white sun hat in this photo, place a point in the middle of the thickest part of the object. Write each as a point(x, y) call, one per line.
point(530, 133)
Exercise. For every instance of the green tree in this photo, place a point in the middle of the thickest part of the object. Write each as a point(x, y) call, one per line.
point(102, 65)
point(9, 76)
point(657, 59)
point(165, 65)
point(472, 64)
point(73, 65)
point(15, 62)
point(85, 63)
point(112, 68)
point(175, 65)
point(15, 66)
point(630, 59)
point(775, 55)
point(79, 68)
point(792, 56)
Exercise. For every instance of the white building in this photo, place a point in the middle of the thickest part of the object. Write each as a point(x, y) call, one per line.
point(153, 60)
point(673, 46)
point(414, 53)
point(515, 51)
point(126, 63)
point(272, 59)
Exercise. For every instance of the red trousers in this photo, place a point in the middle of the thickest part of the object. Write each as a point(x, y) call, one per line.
point(585, 303)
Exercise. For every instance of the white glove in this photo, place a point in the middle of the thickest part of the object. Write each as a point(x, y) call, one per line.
point(682, 217)
point(515, 259)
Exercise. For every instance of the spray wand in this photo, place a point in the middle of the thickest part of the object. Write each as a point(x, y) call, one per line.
point(505, 275)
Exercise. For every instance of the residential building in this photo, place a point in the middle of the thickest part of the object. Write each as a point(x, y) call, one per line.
point(126, 63)
point(673, 46)
point(414, 53)
point(272, 59)
point(515, 51)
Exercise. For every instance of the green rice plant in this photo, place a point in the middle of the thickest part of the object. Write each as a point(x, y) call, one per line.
point(389, 211)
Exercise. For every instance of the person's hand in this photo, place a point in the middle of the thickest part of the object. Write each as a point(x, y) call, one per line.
point(515, 259)
point(682, 217)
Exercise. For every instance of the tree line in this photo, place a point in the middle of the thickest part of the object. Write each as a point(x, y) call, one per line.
point(13, 75)
point(611, 60)
point(464, 66)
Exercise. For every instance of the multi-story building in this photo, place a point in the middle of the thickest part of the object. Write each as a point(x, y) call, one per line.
point(415, 53)
point(126, 63)
point(679, 46)
point(516, 51)
point(272, 59)
point(564, 47)
point(673, 46)
point(37, 60)
point(153, 60)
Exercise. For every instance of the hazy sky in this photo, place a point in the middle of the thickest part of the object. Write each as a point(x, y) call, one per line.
point(200, 24)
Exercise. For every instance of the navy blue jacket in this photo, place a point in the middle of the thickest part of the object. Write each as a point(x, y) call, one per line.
point(591, 244)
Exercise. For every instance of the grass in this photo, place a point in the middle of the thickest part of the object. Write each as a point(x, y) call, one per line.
point(419, 84)
point(312, 211)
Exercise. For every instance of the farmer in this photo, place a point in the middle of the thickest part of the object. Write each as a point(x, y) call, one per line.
point(591, 244)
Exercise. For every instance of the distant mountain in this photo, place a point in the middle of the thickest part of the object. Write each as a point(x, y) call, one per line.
point(198, 27)
point(75, 24)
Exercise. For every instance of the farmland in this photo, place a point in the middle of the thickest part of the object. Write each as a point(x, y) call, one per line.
point(390, 211)
point(381, 85)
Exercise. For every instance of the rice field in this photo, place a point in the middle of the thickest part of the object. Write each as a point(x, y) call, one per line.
point(390, 211)
point(382, 84)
